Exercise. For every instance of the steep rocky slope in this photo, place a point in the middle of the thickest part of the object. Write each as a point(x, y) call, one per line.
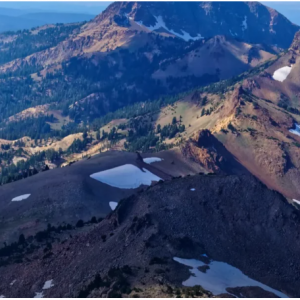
point(136, 50)
point(211, 154)
point(284, 91)
point(227, 57)
point(231, 219)
point(255, 117)
point(256, 132)
point(250, 21)
point(127, 24)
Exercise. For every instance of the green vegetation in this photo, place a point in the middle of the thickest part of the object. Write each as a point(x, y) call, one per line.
point(15, 251)
point(80, 78)
point(284, 103)
point(27, 167)
point(36, 128)
point(143, 137)
point(28, 42)
point(116, 280)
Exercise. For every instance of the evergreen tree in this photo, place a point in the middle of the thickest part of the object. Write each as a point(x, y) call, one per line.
point(22, 239)
point(98, 135)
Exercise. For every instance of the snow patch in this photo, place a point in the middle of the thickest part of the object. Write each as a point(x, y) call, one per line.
point(296, 130)
point(13, 282)
point(244, 24)
point(161, 24)
point(126, 177)
point(113, 205)
point(150, 160)
point(233, 33)
point(39, 295)
point(127, 16)
point(296, 201)
point(282, 73)
point(1, 296)
point(193, 189)
point(48, 284)
point(220, 276)
point(20, 198)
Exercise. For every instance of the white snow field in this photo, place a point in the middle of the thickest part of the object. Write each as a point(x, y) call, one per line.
point(161, 24)
point(113, 205)
point(20, 198)
point(295, 131)
point(125, 177)
point(282, 73)
point(48, 284)
point(150, 160)
point(220, 276)
point(39, 295)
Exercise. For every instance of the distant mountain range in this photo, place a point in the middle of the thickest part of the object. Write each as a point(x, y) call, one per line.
point(17, 19)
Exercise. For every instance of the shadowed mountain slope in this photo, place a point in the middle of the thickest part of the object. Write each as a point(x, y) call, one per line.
point(232, 219)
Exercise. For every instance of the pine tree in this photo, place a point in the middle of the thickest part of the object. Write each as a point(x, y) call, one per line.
point(22, 239)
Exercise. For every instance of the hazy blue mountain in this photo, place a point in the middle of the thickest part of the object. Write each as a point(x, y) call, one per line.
point(11, 11)
point(10, 23)
point(13, 21)
point(85, 7)
point(54, 17)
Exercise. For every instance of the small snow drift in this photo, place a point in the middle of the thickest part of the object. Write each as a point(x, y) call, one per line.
point(126, 177)
point(113, 205)
point(48, 284)
point(220, 276)
point(296, 130)
point(39, 295)
point(1, 296)
point(20, 198)
point(296, 201)
point(193, 189)
point(282, 73)
point(13, 282)
point(244, 24)
point(160, 23)
point(150, 160)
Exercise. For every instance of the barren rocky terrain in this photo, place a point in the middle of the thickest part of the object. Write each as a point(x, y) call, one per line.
point(232, 219)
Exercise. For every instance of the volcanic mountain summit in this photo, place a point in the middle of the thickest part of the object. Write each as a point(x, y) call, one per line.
point(250, 21)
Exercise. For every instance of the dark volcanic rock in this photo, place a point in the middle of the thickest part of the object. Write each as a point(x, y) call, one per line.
point(234, 219)
point(203, 268)
point(296, 42)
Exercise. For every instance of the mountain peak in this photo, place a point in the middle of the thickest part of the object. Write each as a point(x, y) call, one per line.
point(249, 21)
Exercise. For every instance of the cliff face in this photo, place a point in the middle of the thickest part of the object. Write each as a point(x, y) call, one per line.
point(211, 154)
